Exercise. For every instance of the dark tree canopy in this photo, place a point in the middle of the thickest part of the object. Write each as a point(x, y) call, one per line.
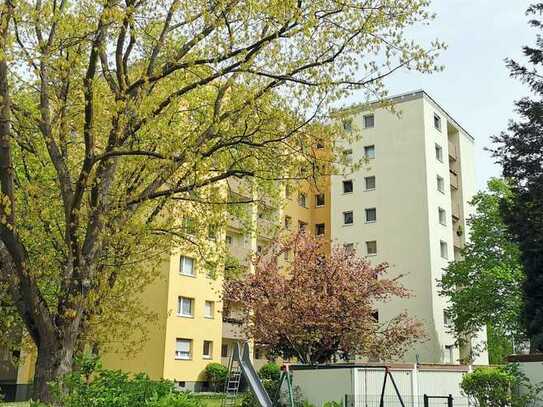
point(520, 152)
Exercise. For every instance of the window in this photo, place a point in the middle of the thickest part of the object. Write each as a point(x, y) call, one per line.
point(349, 247)
point(286, 255)
point(212, 232)
point(439, 153)
point(186, 266)
point(302, 200)
point(185, 307)
point(443, 249)
point(189, 225)
point(288, 222)
point(319, 229)
point(371, 248)
point(442, 216)
point(259, 249)
point(288, 191)
point(371, 215)
point(446, 318)
point(302, 225)
point(207, 352)
point(319, 200)
point(369, 121)
point(375, 316)
point(348, 156)
point(348, 218)
point(183, 349)
point(437, 122)
point(369, 152)
point(224, 351)
point(348, 125)
point(209, 308)
point(228, 239)
point(449, 354)
point(370, 183)
point(320, 144)
point(440, 184)
point(348, 186)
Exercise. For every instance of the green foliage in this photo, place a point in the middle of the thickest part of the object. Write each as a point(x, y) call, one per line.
point(503, 386)
point(271, 387)
point(270, 371)
point(519, 152)
point(484, 287)
point(91, 385)
point(216, 375)
point(332, 404)
point(498, 345)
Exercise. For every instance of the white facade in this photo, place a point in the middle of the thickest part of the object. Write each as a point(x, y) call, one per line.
point(416, 224)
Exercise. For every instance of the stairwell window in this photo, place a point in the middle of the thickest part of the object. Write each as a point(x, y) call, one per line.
point(186, 266)
point(439, 153)
point(224, 351)
point(183, 349)
point(437, 122)
point(207, 352)
point(444, 249)
point(288, 222)
point(348, 125)
point(319, 200)
point(442, 216)
point(185, 307)
point(440, 184)
point(302, 200)
point(319, 229)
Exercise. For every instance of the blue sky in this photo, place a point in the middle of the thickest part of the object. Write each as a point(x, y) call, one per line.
point(475, 87)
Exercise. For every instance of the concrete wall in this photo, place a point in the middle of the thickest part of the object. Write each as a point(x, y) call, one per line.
point(532, 366)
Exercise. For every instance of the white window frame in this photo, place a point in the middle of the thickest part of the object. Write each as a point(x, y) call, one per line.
point(372, 146)
point(366, 183)
point(182, 266)
point(444, 249)
point(367, 116)
point(317, 205)
point(352, 218)
point(343, 186)
point(180, 308)
point(210, 349)
point(367, 248)
point(366, 211)
point(211, 314)
point(181, 354)
point(442, 216)
point(439, 152)
point(437, 123)
point(440, 184)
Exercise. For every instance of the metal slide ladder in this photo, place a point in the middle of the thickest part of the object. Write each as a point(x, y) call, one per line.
point(240, 364)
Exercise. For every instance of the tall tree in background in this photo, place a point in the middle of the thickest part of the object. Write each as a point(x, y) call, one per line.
point(520, 152)
point(484, 286)
point(119, 118)
point(314, 308)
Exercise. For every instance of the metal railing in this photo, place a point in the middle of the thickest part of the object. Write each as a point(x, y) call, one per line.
point(426, 400)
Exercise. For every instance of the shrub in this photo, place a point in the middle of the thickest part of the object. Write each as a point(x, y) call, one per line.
point(270, 371)
point(503, 386)
point(91, 385)
point(216, 375)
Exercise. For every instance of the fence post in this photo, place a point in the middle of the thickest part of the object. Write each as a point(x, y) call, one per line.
point(426, 400)
point(450, 401)
point(346, 399)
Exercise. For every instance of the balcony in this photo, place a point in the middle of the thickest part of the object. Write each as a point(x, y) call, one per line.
point(454, 179)
point(453, 151)
point(232, 328)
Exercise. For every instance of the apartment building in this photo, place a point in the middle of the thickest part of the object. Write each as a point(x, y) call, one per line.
point(407, 205)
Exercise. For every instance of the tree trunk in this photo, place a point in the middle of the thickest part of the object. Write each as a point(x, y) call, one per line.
point(55, 359)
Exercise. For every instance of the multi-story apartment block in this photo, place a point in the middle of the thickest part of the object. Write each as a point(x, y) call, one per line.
point(407, 205)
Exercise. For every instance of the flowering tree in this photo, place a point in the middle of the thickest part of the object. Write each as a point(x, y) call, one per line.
point(314, 307)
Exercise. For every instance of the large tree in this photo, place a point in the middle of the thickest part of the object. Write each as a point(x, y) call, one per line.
point(118, 118)
point(484, 285)
point(520, 152)
point(315, 307)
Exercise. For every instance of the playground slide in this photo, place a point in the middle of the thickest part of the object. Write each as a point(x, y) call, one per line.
point(252, 378)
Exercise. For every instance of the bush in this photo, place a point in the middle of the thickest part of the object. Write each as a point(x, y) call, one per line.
point(503, 386)
point(91, 385)
point(216, 375)
point(270, 371)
